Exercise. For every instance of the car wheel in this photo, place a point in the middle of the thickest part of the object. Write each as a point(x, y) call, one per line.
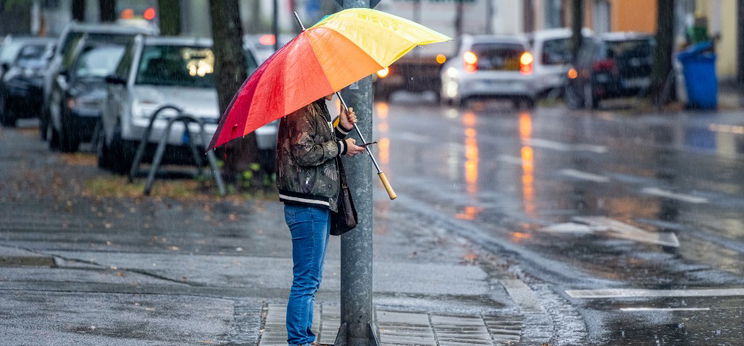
point(529, 103)
point(461, 102)
point(120, 153)
point(69, 139)
point(7, 116)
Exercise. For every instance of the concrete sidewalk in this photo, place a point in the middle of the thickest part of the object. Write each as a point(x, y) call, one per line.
point(79, 269)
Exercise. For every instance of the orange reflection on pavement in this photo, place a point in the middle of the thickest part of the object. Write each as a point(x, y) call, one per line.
point(384, 145)
point(382, 109)
point(528, 164)
point(469, 213)
point(521, 235)
point(471, 153)
point(525, 125)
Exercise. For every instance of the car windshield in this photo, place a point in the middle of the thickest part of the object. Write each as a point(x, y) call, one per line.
point(498, 56)
point(68, 50)
point(32, 55)
point(176, 66)
point(98, 62)
point(629, 49)
point(10, 51)
point(556, 52)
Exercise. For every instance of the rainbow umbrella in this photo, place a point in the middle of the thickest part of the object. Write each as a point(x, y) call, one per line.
point(325, 58)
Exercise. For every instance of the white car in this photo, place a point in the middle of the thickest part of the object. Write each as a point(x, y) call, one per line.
point(490, 67)
point(154, 72)
point(552, 51)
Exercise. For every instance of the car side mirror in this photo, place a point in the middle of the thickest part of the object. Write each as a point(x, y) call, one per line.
point(113, 79)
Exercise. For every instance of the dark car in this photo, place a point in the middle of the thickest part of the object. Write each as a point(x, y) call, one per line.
point(83, 93)
point(609, 66)
point(22, 64)
point(63, 57)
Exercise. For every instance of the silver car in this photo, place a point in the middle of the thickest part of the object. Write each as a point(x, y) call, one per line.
point(490, 67)
point(158, 71)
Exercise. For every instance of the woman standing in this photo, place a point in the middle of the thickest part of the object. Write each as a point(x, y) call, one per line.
point(308, 182)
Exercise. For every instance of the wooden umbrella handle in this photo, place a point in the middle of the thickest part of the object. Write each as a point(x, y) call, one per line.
point(388, 188)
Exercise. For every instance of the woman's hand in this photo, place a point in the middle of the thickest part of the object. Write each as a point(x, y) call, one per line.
point(351, 147)
point(347, 119)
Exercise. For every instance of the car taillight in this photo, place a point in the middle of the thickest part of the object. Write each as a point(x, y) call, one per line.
point(603, 65)
point(383, 73)
point(471, 61)
point(572, 73)
point(526, 63)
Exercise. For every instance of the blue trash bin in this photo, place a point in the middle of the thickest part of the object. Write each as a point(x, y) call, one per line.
point(699, 69)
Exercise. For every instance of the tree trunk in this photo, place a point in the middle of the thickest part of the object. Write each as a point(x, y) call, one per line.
point(230, 72)
point(107, 11)
point(664, 49)
point(169, 17)
point(577, 22)
point(78, 10)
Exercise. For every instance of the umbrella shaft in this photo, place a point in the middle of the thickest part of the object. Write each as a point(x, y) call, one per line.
point(374, 161)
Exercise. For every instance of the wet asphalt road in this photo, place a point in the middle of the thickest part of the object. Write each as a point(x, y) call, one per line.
point(626, 228)
point(581, 201)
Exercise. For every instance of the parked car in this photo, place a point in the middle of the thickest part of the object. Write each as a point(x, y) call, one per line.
point(83, 90)
point(158, 71)
point(22, 61)
point(64, 55)
point(490, 67)
point(608, 66)
point(553, 53)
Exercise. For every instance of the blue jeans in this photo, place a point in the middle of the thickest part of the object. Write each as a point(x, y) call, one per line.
point(310, 228)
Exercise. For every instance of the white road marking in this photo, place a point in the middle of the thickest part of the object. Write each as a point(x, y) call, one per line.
point(640, 293)
point(568, 227)
point(510, 159)
point(584, 175)
point(617, 229)
point(553, 145)
point(412, 137)
point(662, 309)
point(672, 195)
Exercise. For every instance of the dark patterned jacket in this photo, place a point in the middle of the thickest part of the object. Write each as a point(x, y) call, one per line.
point(306, 150)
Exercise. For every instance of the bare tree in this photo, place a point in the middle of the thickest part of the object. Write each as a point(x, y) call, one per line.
point(169, 14)
point(230, 72)
point(107, 10)
point(664, 49)
point(577, 22)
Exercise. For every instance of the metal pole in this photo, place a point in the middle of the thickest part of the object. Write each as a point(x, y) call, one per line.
point(357, 311)
point(275, 24)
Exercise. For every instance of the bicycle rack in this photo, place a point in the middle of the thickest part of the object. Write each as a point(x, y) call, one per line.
point(185, 119)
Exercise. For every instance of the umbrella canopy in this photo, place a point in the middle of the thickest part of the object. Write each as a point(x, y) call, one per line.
point(337, 51)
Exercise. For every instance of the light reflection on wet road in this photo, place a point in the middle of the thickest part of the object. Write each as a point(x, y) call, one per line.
point(511, 173)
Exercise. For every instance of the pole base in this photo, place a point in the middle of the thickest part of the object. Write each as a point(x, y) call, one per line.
point(343, 340)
